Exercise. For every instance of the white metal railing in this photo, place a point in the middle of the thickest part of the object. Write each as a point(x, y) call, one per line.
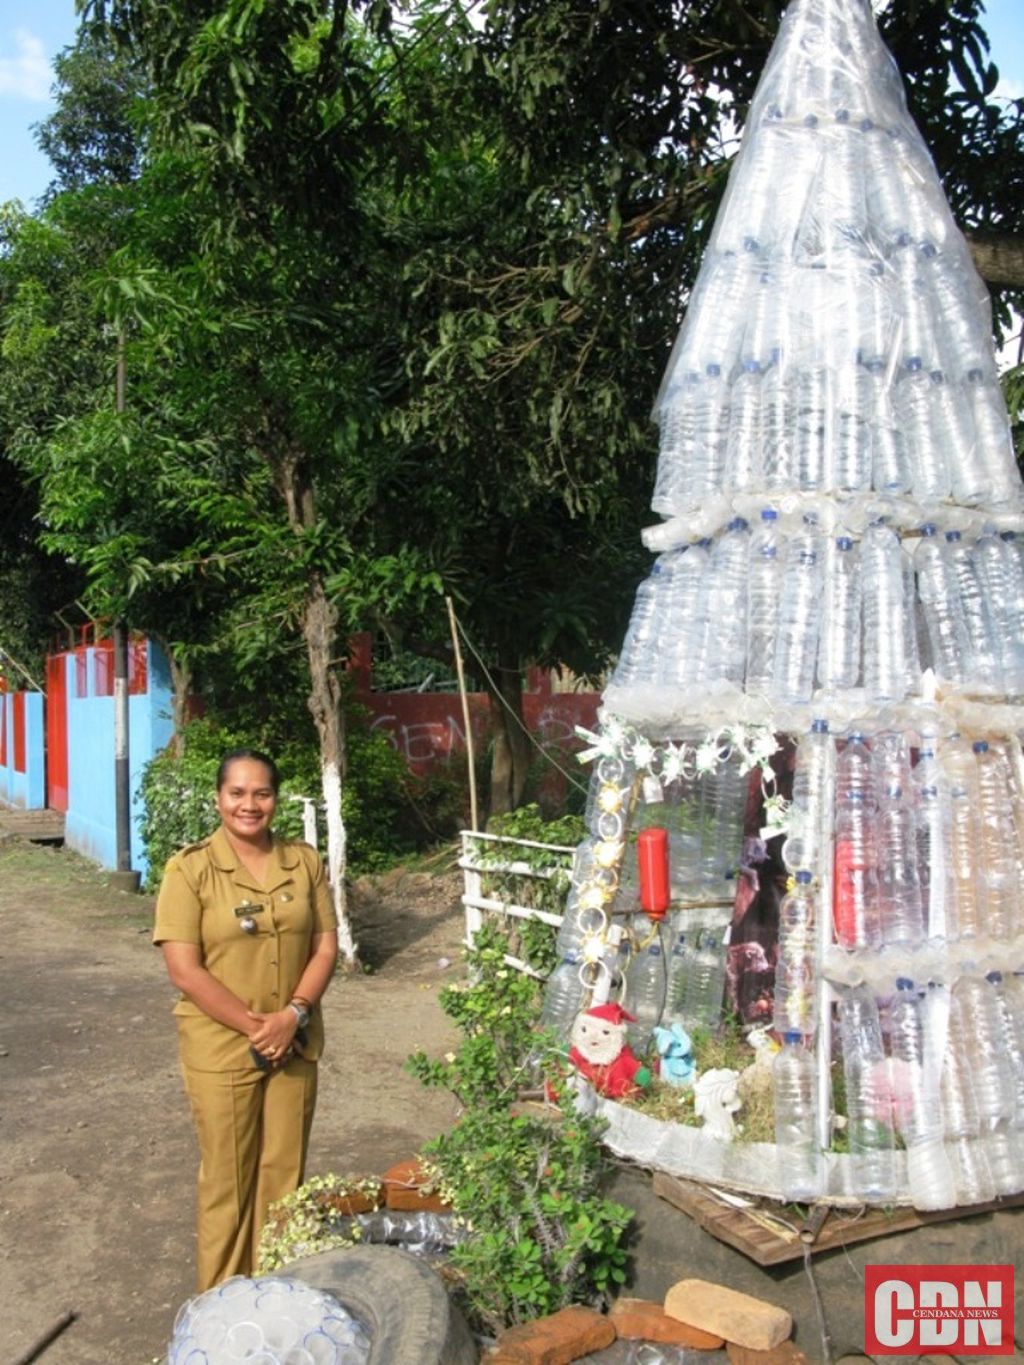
point(474, 871)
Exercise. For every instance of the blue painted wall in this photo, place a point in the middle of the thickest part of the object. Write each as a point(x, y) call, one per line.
point(26, 790)
point(90, 821)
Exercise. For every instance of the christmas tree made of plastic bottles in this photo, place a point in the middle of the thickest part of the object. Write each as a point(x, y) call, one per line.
point(838, 572)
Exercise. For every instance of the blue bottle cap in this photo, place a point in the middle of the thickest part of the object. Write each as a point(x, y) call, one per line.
point(994, 977)
point(713, 370)
point(844, 543)
point(904, 983)
point(980, 746)
point(913, 364)
point(803, 878)
point(752, 366)
point(792, 1036)
point(819, 726)
point(929, 528)
point(770, 514)
point(953, 536)
point(737, 524)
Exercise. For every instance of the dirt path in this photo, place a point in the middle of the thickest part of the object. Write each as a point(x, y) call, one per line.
point(97, 1156)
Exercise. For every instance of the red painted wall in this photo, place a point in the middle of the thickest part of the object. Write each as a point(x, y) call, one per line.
point(428, 726)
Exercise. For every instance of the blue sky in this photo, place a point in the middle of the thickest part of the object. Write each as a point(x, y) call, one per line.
point(31, 34)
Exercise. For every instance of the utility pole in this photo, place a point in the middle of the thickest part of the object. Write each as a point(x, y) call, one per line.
point(124, 877)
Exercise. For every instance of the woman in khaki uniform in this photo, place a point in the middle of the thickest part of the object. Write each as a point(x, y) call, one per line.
point(249, 937)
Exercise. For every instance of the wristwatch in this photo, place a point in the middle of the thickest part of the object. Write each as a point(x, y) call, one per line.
point(301, 1012)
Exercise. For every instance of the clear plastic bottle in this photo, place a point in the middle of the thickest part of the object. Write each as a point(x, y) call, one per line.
point(913, 626)
point(637, 657)
point(960, 1118)
point(646, 986)
point(995, 1088)
point(800, 1165)
point(993, 441)
point(928, 468)
point(743, 449)
point(885, 661)
point(799, 617)
point(855, 895)
point(724, 644)
point(855, 771)
point(999, 852)
point(916, 1103)
point(933, 861)
point(796, 1001)
point(939, 595)
point(1002, 590)
point(960, 769)
point(813, 402)
point(703, 985)
point(890, 460)
point(776, 424)
point(856, 402)
point(890, 766)
point(673, 487)
point(564, 995)
point(980, 669)
point(1010, 1024)
point(952, 431)
point(839, 650)
point(723, 807)
point(711, 428)
point(679, 963)
point(868, 1096)
point(763, 592)
point(675, 663)
point(802, 850)
point(900, 914)
point(1013, 564)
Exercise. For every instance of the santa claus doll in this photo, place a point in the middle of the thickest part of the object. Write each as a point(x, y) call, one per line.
point(602, 1056)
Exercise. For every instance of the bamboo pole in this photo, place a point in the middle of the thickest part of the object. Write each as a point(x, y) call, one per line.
point(470, 751)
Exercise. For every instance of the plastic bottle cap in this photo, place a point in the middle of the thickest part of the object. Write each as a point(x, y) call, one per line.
point(974, 376)
point(844, 543)
point(842, 116)
point(819, 726)
point(713, 370)
point(980, 746)
point(803, 878)
point(937, 377)
point(770, 514)
point(810, 120)
point(893, 792)
point(793, 1036)
point(928, 529)
point(752, 366)
point(904, 983)
point(994, 977)
point(866, 125)
point(952, 536)
point(913, 364)
point(737, 524)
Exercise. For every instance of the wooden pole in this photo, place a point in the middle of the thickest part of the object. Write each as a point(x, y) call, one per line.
point(470, 752)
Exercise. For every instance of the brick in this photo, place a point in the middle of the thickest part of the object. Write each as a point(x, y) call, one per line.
point(366, 1200)
point(642, 1320)
point(727, 1313)
point(403, 1190)
point(783, 1354)
point(555, 1340)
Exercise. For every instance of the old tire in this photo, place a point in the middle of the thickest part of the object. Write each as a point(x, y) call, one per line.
point(400, 1300)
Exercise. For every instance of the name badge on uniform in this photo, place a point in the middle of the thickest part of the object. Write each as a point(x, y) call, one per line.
point(244, 914)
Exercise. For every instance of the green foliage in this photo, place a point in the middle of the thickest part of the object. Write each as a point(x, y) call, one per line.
point(528, 1184)
point(312, 1219)
point(177, 793)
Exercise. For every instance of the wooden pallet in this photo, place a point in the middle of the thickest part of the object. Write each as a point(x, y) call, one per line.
point(38, 826)
point(771, 1233)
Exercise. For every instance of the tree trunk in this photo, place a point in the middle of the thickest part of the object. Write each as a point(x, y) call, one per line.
point(998, 259)
point(181, 691)
point(510, 762)
point(320, 630)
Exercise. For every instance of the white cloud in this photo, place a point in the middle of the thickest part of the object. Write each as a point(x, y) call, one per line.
point(26, 76)
point(1009, 89)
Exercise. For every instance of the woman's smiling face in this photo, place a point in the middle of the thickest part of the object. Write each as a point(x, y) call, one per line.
point(246, 800)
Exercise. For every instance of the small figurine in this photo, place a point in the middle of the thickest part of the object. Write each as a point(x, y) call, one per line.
point(757, 1080)
point(676, 1051)
point(601, 1055)
point(715, 1100)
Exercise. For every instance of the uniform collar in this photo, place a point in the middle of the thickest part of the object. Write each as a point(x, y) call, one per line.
point(283, 861)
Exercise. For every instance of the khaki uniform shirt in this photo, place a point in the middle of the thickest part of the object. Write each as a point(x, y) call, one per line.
point(205, 894)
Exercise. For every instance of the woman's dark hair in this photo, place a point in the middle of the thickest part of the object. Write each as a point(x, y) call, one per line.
point(254, 756)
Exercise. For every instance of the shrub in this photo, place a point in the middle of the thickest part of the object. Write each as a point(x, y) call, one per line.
point(528, 1183)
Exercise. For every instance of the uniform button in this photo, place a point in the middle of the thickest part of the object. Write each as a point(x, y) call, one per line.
point(274, 994)
point(285, 896)
point(273, 962)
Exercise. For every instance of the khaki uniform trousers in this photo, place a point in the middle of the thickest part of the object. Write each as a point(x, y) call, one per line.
point(253, 1129)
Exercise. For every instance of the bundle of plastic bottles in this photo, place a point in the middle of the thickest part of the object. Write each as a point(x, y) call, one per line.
point(940, 1070)
point(838, 337)
point(798, 614)
point(268, 1321)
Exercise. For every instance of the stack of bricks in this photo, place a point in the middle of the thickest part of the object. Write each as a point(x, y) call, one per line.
point(696, 1315)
